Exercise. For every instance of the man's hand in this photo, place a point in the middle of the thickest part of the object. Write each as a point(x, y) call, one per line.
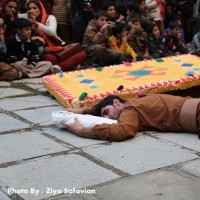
point(106, 26)
point(76, 128)
point(10, 14)
point(146, 56)
point(124, 39)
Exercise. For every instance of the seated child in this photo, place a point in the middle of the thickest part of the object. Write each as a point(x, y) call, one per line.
point(172, 40)
point(96, 42)
point(196, 41)
point(118, 41)
point(178, 20)
point(23, 54)
point(156, 48)
point(138, 39)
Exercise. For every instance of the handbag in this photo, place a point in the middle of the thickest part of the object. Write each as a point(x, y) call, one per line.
point(68, 51)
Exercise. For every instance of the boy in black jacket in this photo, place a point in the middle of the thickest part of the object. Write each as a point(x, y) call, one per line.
point(23, 54)
point(172, 40)
point(156, 48)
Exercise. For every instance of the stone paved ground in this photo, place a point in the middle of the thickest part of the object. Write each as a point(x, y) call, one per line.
point(41, 161)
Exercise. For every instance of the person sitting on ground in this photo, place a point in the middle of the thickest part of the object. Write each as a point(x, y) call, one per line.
point(138, 39)
point(178, 20)
point(158, 112)
point(156, 48)
point(194, 46)
point(96, 42)
point(7, 73)
point(196, 40)
point(46, 27)
point(118, 41)
point(23, 55)
point(172, 40)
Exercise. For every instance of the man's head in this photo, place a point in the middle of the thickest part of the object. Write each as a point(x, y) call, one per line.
point(174, 28)
point(110, 107)
point(141, 6)
point(110, 8)
point(136, 23)
point(153, 30)
point(10, 8)
point(132, 8)
point(24, 28)
point(100, 16)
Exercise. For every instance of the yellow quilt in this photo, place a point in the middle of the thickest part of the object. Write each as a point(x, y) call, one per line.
point(87, 87)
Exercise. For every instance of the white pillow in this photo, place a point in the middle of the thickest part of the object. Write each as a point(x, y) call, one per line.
point(86, 120)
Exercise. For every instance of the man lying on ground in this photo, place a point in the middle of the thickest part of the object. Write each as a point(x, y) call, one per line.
point(159, 112)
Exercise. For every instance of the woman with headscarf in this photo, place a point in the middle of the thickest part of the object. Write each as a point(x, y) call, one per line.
point(46, 26)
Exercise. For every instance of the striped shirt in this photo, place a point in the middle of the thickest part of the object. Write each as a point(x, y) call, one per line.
point(61, 10)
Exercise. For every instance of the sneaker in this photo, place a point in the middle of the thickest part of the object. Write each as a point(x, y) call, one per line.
point(55, 69)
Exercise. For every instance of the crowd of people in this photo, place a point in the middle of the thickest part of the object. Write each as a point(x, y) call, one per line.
point(32, 32)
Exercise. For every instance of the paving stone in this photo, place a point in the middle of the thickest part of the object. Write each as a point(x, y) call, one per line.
point(27, 102)
point(159, 185)
point(30, 80)
point(38, 87)
point(24, 145)
point(188, 140)
point(41, 116)
point(3, 196)
point(193, 167)
point(4, 84)
point(66, 136)
point(59, 172)
point(140, 154)
point(8, 92)
point(35, 86)
point(8, 123)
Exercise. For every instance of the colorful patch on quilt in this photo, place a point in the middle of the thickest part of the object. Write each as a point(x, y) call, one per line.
point(173, 73)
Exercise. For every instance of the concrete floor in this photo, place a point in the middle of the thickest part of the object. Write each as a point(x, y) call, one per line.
point(39, 160)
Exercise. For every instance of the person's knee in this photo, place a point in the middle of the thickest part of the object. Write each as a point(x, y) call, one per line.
point(94, 47)
point(197, 52)
point(10, 75)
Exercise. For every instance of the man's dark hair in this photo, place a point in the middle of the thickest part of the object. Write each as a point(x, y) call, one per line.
point(173, 25)
point(100, 13)
point(105, 102)
point(108, 4)
point(135, 19)
point(118, 28)
point(133, 6)
point(149, 27)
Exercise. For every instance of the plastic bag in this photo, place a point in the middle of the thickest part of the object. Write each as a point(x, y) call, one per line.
point(86, 120)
